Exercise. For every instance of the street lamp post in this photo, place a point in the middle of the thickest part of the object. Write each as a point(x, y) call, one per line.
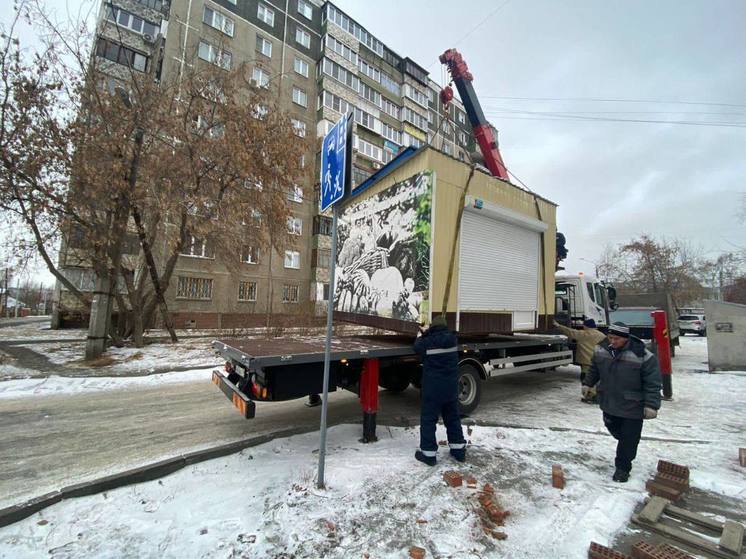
point(595, 266)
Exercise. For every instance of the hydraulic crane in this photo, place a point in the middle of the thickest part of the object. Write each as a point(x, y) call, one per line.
point(482, 131)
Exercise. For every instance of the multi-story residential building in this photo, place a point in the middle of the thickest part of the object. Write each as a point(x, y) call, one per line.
point(320, 64)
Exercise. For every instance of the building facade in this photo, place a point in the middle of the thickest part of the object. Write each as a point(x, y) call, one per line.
point(319, 63)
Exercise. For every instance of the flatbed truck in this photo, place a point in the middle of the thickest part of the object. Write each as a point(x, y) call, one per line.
point(272, 370)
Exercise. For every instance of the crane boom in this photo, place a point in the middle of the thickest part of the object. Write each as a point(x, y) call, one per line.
point(485, 138)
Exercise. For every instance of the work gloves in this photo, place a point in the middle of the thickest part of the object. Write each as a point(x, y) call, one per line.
point(649, 413)
point(586, 391)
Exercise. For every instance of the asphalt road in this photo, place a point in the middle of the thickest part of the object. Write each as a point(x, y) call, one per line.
point(53, 441)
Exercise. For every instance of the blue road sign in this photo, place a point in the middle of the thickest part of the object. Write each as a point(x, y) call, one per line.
point(333, 168)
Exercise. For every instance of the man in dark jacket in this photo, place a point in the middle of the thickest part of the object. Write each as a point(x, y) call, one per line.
point(629, 391)
point(438, 348)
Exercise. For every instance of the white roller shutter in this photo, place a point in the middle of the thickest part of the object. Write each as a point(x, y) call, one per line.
point(499, 268)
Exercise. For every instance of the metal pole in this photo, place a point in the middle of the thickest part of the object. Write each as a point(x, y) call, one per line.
point(327, 351)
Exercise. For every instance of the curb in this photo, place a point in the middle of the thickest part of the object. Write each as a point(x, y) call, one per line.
point(149, 472)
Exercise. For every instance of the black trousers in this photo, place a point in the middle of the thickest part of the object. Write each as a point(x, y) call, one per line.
point(627, 432)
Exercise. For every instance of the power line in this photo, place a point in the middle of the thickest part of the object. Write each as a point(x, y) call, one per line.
point(563, 117)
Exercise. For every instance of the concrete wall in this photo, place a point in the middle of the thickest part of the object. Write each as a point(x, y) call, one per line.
point(726, 336)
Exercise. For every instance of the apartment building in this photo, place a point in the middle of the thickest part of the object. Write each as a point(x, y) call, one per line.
point(319, 63)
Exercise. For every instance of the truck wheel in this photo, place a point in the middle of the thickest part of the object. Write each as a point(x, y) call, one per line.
point(469, 389)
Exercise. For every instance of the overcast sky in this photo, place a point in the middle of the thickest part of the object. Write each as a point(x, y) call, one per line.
point(612, 180)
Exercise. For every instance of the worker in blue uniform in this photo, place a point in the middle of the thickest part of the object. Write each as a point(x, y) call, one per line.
point(437, 347)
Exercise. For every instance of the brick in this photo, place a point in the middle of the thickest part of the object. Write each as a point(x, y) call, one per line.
point(442, 443)
point(471, 482)
point(667, 551)
point(674, 482)
point(673, 469)
point(742, 456)
point(598, 551)
point(558, 477)
point(488, 489)
point(492, 510)
point(659, 490)
point(421, 521)
point(644, 550)
point(416, 552)
point(453, 479)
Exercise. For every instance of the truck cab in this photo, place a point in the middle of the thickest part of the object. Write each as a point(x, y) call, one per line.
point(579, 297)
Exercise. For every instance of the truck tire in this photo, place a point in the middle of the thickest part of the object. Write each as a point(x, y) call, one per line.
point(394, 382)
point(469, 389)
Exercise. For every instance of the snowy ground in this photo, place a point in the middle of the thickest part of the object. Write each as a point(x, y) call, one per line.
point(262, 502)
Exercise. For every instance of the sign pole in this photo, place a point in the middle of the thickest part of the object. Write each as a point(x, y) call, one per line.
point(327, 351)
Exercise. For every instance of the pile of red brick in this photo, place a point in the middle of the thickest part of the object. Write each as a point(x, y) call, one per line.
point(671, 481)
point(490, 512)
point(641, 550)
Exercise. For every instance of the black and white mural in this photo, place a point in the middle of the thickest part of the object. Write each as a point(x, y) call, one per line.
point(383, 252)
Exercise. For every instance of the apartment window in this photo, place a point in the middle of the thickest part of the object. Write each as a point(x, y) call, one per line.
point(295, 225)
point(341, 49)
point(260, 77)
point(391, 108)
point(218, 21)
point(415, 118)
point(264, 46)
point(447, 148)
point(250, 255)
point(295, 194)
point(370, 94)
point(300, 97)
point(255, 218)
point(292, 259)
point(199, 248)
point(322, 258)
point(334, 15)
point(305, 9)
point(388, 155)
point(123, 18)
point(322, 225)
point(154, 4)
point(367, 120)
point(391, 133)
point(409, 140)
point(334, 102)
point(325, 292)
point(358, 176)
point(340, 74)
point(415, 95)
point(368, 149)
point(462, 137)
point(260, 111)
point(302, 38)
point(215, 55)
point(299, 128)
point(121, 55)
point(194, 288)
point(266, 15)
point(461, 117)
point(391, 84)
point(300, 66)
point(302, 166)
point(290, 293)
point(371, 71)
point(247, 291)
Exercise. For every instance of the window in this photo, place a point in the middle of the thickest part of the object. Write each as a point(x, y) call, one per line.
point(461, 117)
point(371, 71)
point(370, 94)
point(260, 77)
point(247, 291)
point(255, 218)
point(292, 259)
point(337, 17)
point(260, 112)
point(325, 292)
point(322, 258)
point(215, 55)
point(218, 21)
point(600, 294)
point(302, 166)
point(154, 4)
point(322, 225)
point(367, 120)
point(300, 97)
point(300, 66)
point(388, 155)
point(266, 15)
point(250, 255)
point(462, 138)
point(198, 248)
point(295, 225)
point(368, 149)
point(290, 293)
point(415, 95)
point(340, 48)
point(295, 194)
point(358, 176)
point(336, 103)
point(121, 55)
point(299, 128)
point(391, 84)
point(305, 9)
point(589, 286)
point(415, 118)
point(302, 38)
point(391, 133)
point(391, 108)
point(194, 288)
point(340, 74)
point(264, 46)
point(123, 18)
point(409, 140)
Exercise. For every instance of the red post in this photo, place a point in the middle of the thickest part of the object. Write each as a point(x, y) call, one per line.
point(369, 399)
point(663, 343)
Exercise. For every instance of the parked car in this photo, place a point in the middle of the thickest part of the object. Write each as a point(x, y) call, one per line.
point(694, 323)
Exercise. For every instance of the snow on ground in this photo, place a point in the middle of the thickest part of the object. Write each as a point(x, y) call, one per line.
point(56, 385)
point(262, 502)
